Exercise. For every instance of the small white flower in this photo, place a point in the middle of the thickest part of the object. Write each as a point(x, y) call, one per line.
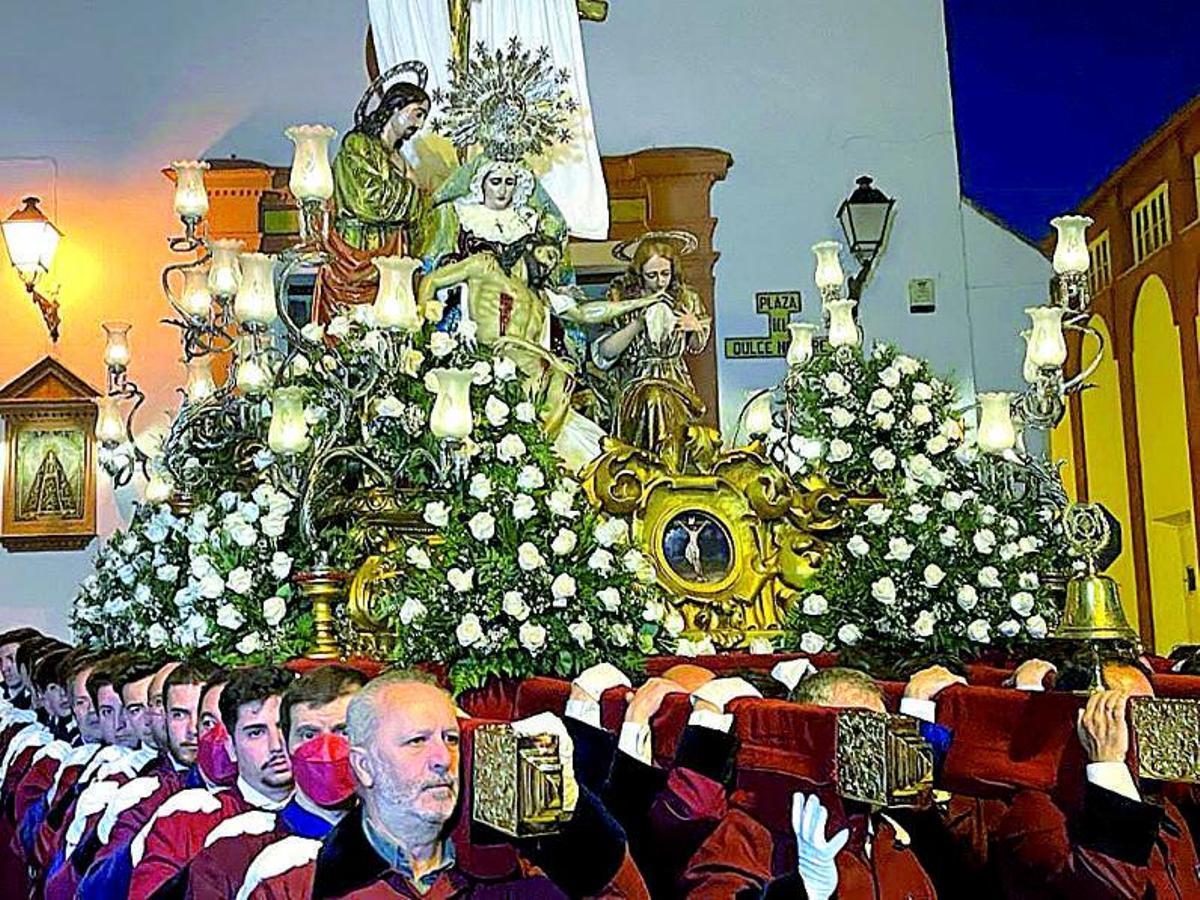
point(989, 577)
point(1021, 603)
point(841, 417)
point(611, 532)
point(880, 400)
point(483, 526)
point(601, 561)
point(967, 598)
point(883, 459)
point(610, 598)
point(933, 575)
point(511, 448)
point(240, 581)
point(839, 450)
point(884, 590)
point(505, 368)
point(481, 486)
point(529, 557)
point(878, 514)
point(228, 616)
point(469, 630)
point(411, 610)
point(496, 411)
point(918, 513)
point(984, 541)
point(251, 643)
point(884, 421)
point(815, 605)
point(1028, 580)
point(461, 581)
point(948, 536)
point(849, 634)
point(920, 415)
point(561, 503)
point(1036, 626)
point(836, 384)
point(564, 542)
point(858, 546)
point(1010, 628)
point(978, 631)
point(526, 412)
point(811, 642)
point(418, 558)
point(523, 507)
point(937, 445)
point(515, 605)
point(437, 513)
point(923, 626)
point(890, 377)
point(441, 344)
point(899, 549)
point(563, 587)
point(281, 565)
point(581, 632)
point(274, 609)
point(532, 637)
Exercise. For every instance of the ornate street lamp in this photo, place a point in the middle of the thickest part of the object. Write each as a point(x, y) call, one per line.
point(865, 216)
point(32, 240)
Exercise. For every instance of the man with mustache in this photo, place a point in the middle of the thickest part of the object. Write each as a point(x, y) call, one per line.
point(249, 706)
point(404, 755)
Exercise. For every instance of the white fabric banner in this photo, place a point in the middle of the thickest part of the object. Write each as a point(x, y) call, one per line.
point(420, 29)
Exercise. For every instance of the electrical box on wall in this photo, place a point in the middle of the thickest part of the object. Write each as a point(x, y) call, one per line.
point(921, 295)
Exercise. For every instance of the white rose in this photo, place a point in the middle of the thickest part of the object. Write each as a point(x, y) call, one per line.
point(849, 634)
point(274, 609)
point(811, 642)
point(526, 412)
point(281, 565)
point(157, 635)
point(933, 575)
point(899, 549)
point(815, 605)
point(884, 590)
point(836, 384)
point(621, 635)
point(240, 581)
point(437, 513)
point(274, 524)
point(839, 450)
point(251, 643)
point(984, 541)
point(515, 605)
point(532, 637)
point(530, 478)
point(529, 557)
point(858, 546)
point(878, 514)
point(967, 598)
point(952, 501)
point(483, 526)
point(883, 459)
point(581, 632)
point(411, 610)
point(760, 646)
point(989, 577)
point(228, 616)
point(610, 598)
point(600, 561)
point(563, 587)
point(890, 377)
point(841, 417)
point(922, 469)
point(461, 581)
point(1036, 626)
point(918, 513)
point(167, 572)
point(417, 557)
point(441, 344)
point(948, 536)
point(523, 507)
point(1021, 603)
point(482, 373)
point(481, 486)
point(881, 399)
point(611, 532)
point(923, 626)
point(469, 631)
point(496, 411)
point(1009, 551)
point(920, 415)
point(505, 368)
point(313, 331)
point(884, 421)
point(922, 392)
point(1028, 544)
point(561, 503)
point(653, 611)
point(1028, 580)
point(212, 586)
point(937, 445)
point(511, 448)
point(564, 542)
point(1010, 628)
point(978, 631)
point(906, 364)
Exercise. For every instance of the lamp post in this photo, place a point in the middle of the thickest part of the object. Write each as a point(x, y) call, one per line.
point(865, 216)
point(32, 240)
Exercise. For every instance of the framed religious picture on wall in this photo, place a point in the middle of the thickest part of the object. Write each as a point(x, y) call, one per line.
point(49, 487)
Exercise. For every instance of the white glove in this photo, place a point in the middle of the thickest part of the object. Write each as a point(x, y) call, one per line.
point(599, 678)
point(815, 856)
point(549, 723)
point(791, 671)
point(720, 692)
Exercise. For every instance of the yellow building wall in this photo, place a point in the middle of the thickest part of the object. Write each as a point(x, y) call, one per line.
point(1104, 444)
point(1062, 450)
point(1166, 479)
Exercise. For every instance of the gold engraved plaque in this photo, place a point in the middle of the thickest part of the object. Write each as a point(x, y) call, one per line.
point(517, 782)
point(1166, 733)
point(883, 760)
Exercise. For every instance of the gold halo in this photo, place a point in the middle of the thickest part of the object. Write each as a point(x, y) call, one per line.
point(685, 241)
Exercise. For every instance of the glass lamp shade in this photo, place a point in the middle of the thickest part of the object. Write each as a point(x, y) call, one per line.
point(159, 488)
point(255, 300)
point(288, 433)
point(843, 332)
point(311, 178)
point(224, 273)
point(758, 415)
point(196, 300)
point(395, 303)
point(1047, 347)
point(451, 413)
point(864, 217)
point(191, 198)
point(800, 350)
point(996, 432)
point(31, 238)
point(253, 374)
point(200, 384)
point(110, 424)
point(1071, 251)
point(116, 345)
point(829, 272)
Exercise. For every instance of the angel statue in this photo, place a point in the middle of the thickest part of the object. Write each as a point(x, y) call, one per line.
point(655, 401)
point(378, 205)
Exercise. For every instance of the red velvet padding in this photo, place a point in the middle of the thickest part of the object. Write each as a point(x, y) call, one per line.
point(495, 700)
point(988, 676)
point(1168, 685)
point(727, 663)
point(369, 667)
point(481, 860)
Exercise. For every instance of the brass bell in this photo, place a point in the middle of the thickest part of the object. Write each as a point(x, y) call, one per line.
point(1093, 611)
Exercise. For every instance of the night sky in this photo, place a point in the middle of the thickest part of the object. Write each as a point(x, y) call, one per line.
point(1050, 96)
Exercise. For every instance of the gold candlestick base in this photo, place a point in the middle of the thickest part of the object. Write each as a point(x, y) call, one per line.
point(322, 588)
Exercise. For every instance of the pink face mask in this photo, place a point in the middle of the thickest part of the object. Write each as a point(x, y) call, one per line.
point(321, 768)
point(213, 757)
